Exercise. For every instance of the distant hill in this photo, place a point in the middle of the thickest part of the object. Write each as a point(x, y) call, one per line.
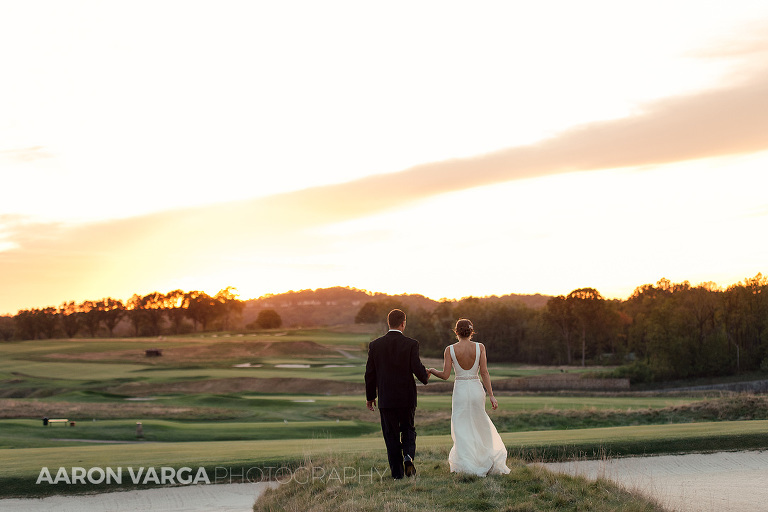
point(534, 301)
point(340, 305)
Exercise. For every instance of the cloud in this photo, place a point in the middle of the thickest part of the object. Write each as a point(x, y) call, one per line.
point(29, 154)
point(721, 122)
point(727, 121)
point(747, 42)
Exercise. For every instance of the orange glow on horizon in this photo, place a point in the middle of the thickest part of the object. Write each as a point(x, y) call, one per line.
point(436, 165)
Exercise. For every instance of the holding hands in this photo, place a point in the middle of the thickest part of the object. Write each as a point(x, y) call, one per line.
point(437, 373)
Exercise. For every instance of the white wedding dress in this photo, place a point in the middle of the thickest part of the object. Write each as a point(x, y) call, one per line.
point(477, 446)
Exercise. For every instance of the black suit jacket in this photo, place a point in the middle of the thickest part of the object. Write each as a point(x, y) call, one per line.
point(393, 360)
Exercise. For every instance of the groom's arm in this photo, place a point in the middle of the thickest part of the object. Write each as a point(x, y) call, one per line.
point(416, 367)
point(370, 378)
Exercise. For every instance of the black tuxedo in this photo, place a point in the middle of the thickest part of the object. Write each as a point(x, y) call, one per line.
point(393, 360)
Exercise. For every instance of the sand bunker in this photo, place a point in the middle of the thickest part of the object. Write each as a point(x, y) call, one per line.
point(713, 482)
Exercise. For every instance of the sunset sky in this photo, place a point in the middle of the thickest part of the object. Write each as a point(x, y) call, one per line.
point(441, 148)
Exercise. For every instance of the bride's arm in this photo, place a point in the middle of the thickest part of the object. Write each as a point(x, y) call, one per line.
point(447, 365)
point(486, 377)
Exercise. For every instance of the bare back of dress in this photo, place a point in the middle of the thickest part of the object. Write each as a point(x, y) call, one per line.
point(477, 447)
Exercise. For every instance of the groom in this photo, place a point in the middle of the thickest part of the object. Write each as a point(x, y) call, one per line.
point(393, 360)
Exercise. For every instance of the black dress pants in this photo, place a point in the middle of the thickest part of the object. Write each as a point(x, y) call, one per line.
point(399, 436)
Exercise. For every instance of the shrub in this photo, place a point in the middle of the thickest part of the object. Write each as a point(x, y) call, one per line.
point(269, 319)
point(637, 373)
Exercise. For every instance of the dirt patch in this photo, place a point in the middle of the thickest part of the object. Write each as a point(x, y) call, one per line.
point(240, 385)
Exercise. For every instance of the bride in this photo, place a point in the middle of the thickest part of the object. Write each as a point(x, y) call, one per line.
point(477, 446)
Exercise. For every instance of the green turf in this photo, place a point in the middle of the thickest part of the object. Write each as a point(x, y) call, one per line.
point(512, 402)
point(15, 433)
point(22, 466)
point(247, 428)
point(27, 461)
point(30, 358)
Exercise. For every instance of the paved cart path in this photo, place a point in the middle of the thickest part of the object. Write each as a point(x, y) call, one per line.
point(194, 498)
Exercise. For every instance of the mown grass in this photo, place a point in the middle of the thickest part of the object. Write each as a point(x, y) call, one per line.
point(354, 484)
point(112, 409)
point(80, 373)
point(433, 414)
point(31, 365)
point(734, 408)
point(18, 433)
point(88, 404)
point(226, 422)
point(22, 466)
point(518, 402)
point(233, 417)
point(519, 414)
point(286, 419)
point(84, 359)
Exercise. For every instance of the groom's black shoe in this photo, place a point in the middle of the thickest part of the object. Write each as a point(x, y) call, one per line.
point(410, 469)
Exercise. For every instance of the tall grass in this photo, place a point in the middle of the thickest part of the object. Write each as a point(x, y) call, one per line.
point(360, 483)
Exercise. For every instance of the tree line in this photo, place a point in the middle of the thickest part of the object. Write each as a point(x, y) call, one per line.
point(176, 312)
point(663, 331)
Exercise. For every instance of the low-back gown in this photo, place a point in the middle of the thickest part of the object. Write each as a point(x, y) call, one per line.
point(477, 446)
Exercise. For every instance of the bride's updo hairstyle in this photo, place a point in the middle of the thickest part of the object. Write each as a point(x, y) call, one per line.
point(464, 328)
